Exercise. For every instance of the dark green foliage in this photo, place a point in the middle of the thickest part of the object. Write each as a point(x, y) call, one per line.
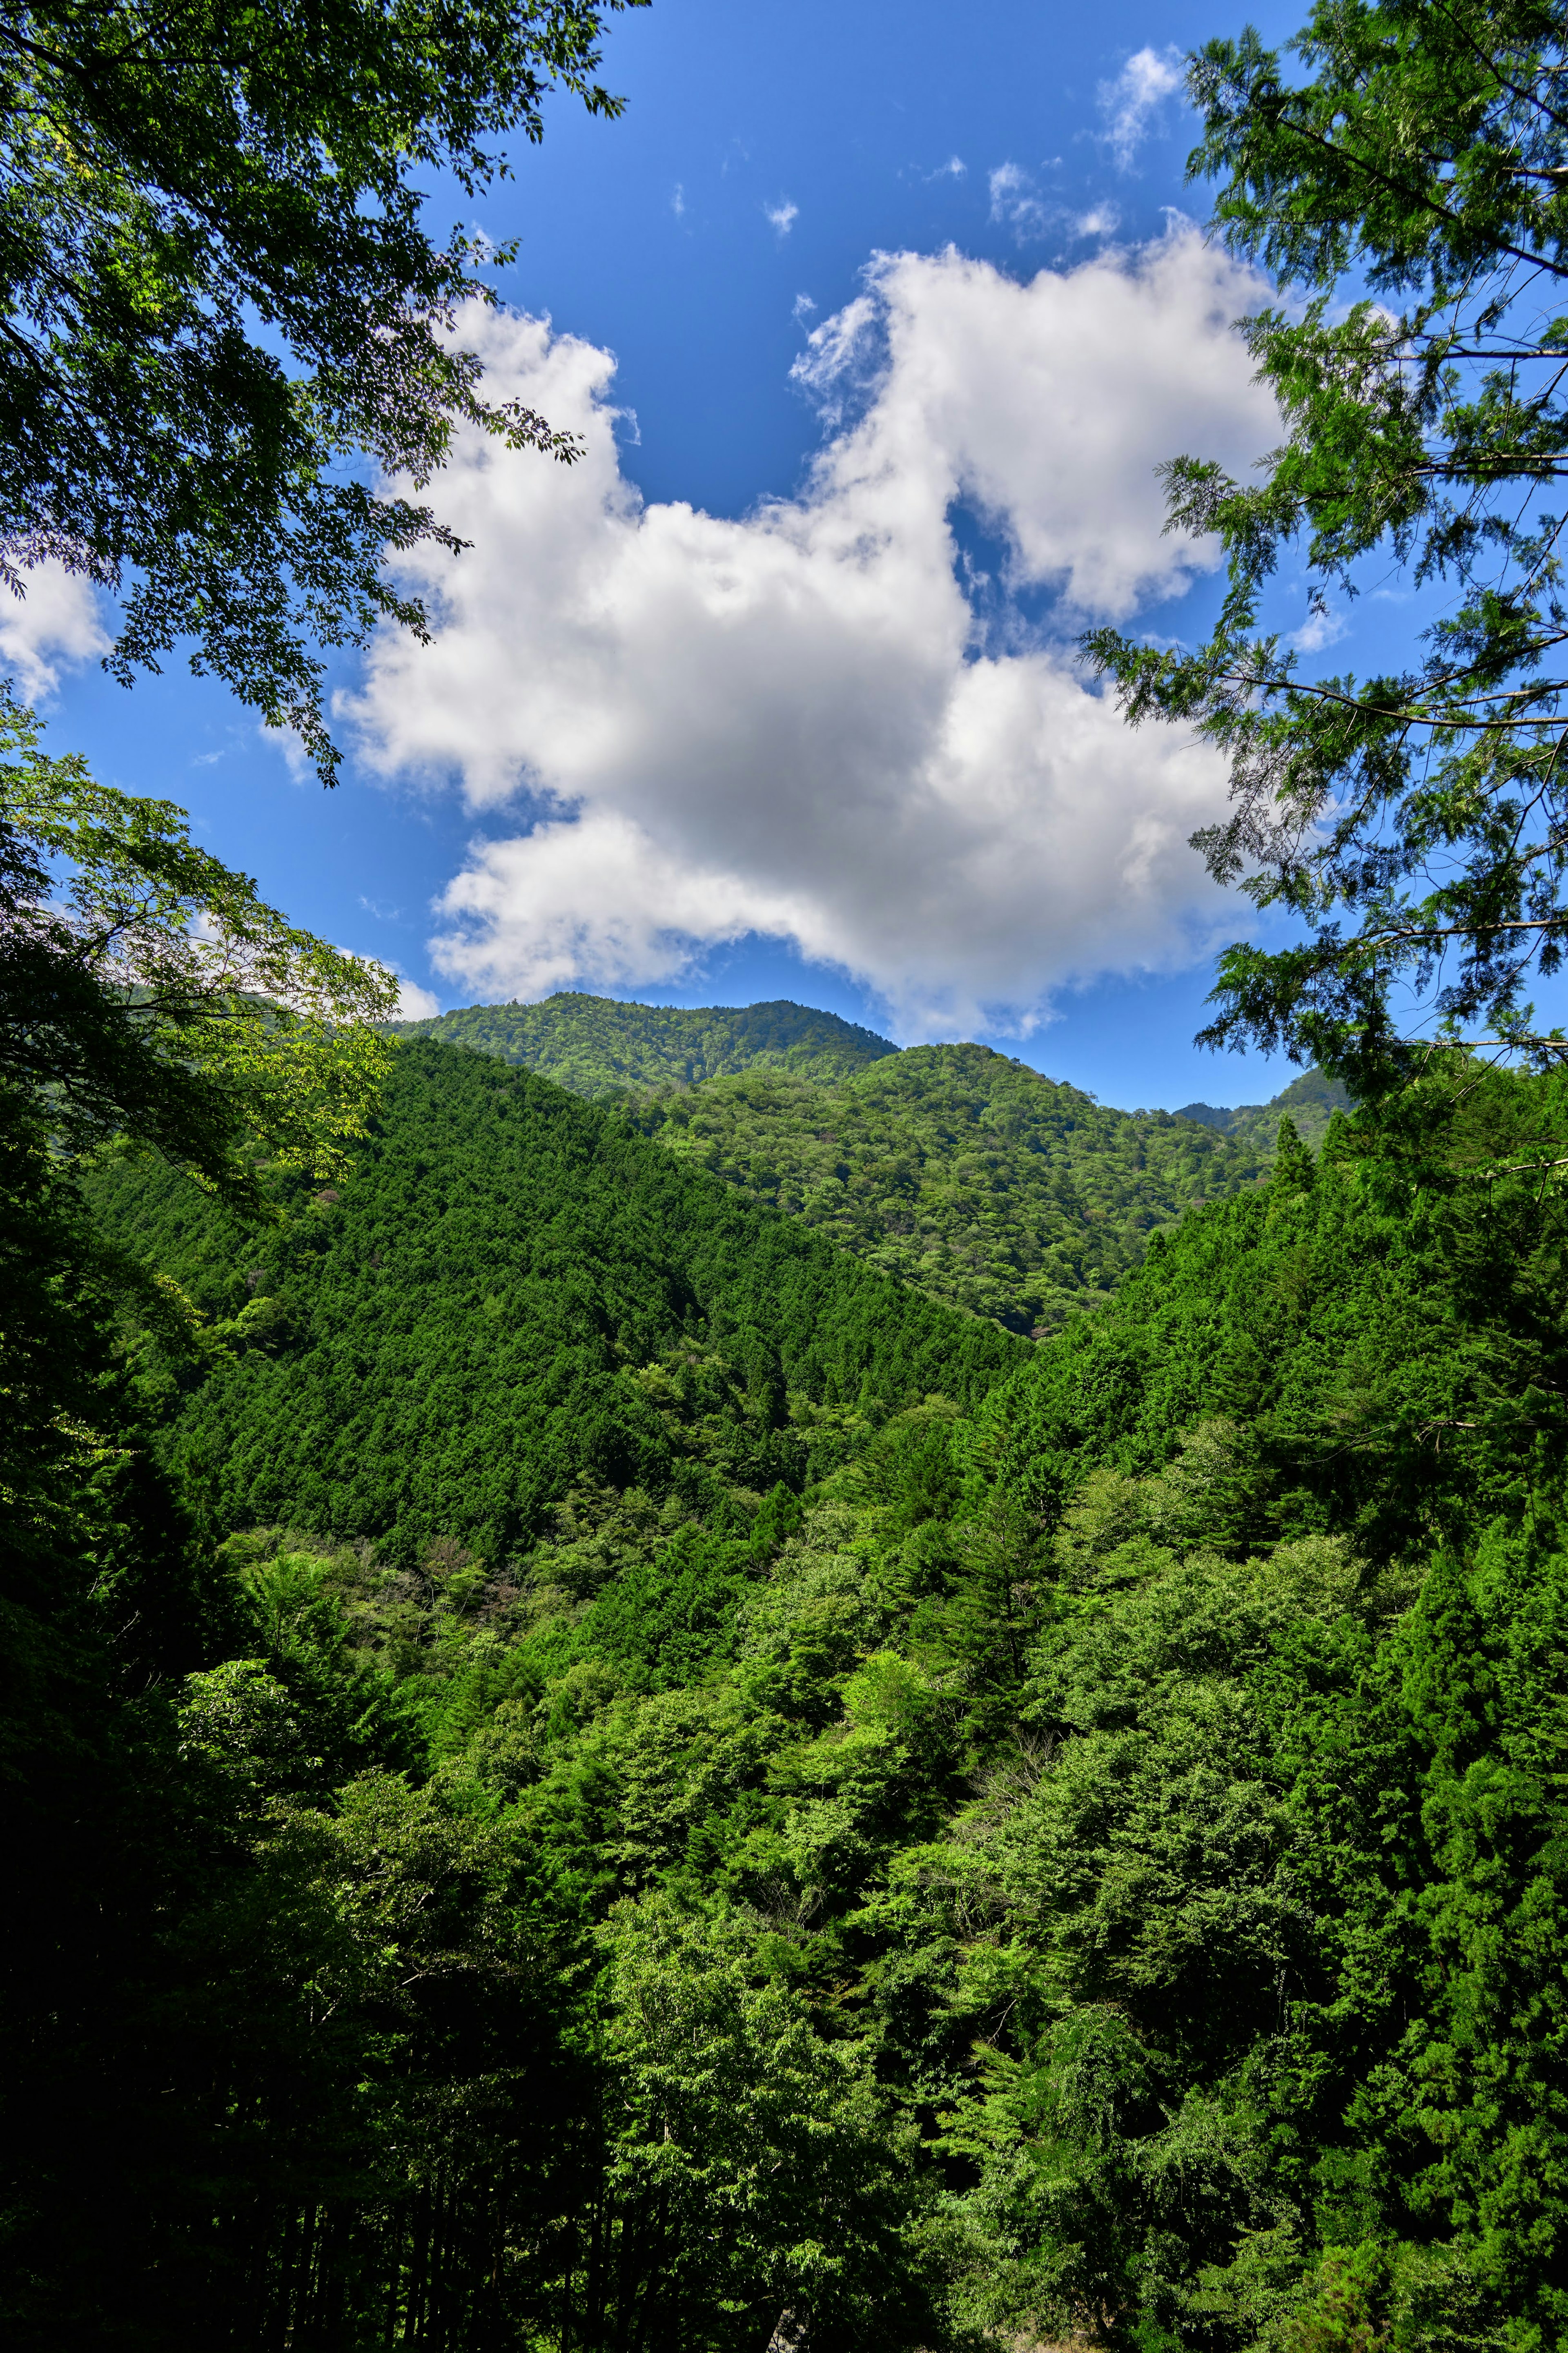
point(1365, 1395)
point(598, 1046)
point(954, 1168)
point(1309, 1103)
point(962, 1172)
point(1076, 1856)
point(473, 1323)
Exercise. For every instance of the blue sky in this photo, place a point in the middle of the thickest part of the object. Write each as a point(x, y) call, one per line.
point(557, 776)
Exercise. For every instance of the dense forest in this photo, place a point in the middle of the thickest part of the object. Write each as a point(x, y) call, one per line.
point(599, 1047)
point(1309, 1103)
point(660, 1786)
point(670, 1681)
point(960, 1170)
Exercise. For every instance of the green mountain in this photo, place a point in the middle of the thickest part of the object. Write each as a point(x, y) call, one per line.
point(957, 1169)
point(701, 1784)
point(515, 1293)
point(961, 1171)
point(1309, 1101)
point(598, 1046)
point(592, 1769)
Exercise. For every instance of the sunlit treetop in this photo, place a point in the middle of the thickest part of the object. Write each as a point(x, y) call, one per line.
point(148, 993)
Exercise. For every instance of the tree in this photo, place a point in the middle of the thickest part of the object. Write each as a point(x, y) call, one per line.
point(1418, 822)
point(147, 991)
point(220, 297)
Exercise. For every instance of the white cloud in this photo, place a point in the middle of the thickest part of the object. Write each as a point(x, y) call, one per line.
point(804, 307)
point(1100, 221)
point(1323, 626)
point(677, 200)
point(55, 625)
point(291, 745)
point(1015, 204)
point(787, 722)
point(782, 217)
point(414, 1003)
point(1132, 101)
point(953, 169)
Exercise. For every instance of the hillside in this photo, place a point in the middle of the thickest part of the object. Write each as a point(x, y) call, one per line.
point(957, 1169)
point(569, 1700)
point(992, 1788)
point(598, 1046)
point(513, 1293)
point(961, 1171)
point(1309, 1101)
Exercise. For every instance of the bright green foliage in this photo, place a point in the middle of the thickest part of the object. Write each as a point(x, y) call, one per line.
point(599, 1047)
point(219, 285)
point(1076, 1857)
point(146, 993)
point(510, 1294)
point(961, 1171)
point(1414, 822)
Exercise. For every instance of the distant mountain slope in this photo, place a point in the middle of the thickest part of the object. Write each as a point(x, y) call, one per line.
point(512, 1293)
point(961, 1171)
point(1311, 1101)
point(598, 1047)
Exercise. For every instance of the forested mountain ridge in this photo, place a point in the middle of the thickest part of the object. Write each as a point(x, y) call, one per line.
point(1081, 1857)
point(961, 1171)
point(598, 1046)
point(1310, 1102)
point(443, 1345)
point(1091, 1852)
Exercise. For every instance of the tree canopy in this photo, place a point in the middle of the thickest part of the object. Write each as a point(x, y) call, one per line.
point(148, 994)
point(1414, 821)
point(223, 301)
point(1076, 1857)
point(598, 1046)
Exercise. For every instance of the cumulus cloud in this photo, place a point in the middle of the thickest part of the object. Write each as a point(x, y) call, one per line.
point(55, 625)
point(782, 217)
point(1132, 101)
point(414, 1003)
point(790, 722)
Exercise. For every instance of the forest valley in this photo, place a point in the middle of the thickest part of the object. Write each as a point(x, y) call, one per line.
point(597, 1771)
point(671, 1682)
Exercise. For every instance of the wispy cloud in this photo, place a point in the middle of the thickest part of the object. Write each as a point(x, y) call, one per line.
point(1323, 626)
point(782, 215)
point(1016, 204)
point(954, 168)
point(1131, 103)
point(414, 1003)
point(804, 307)
point(291, 745)
point(677, 200)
